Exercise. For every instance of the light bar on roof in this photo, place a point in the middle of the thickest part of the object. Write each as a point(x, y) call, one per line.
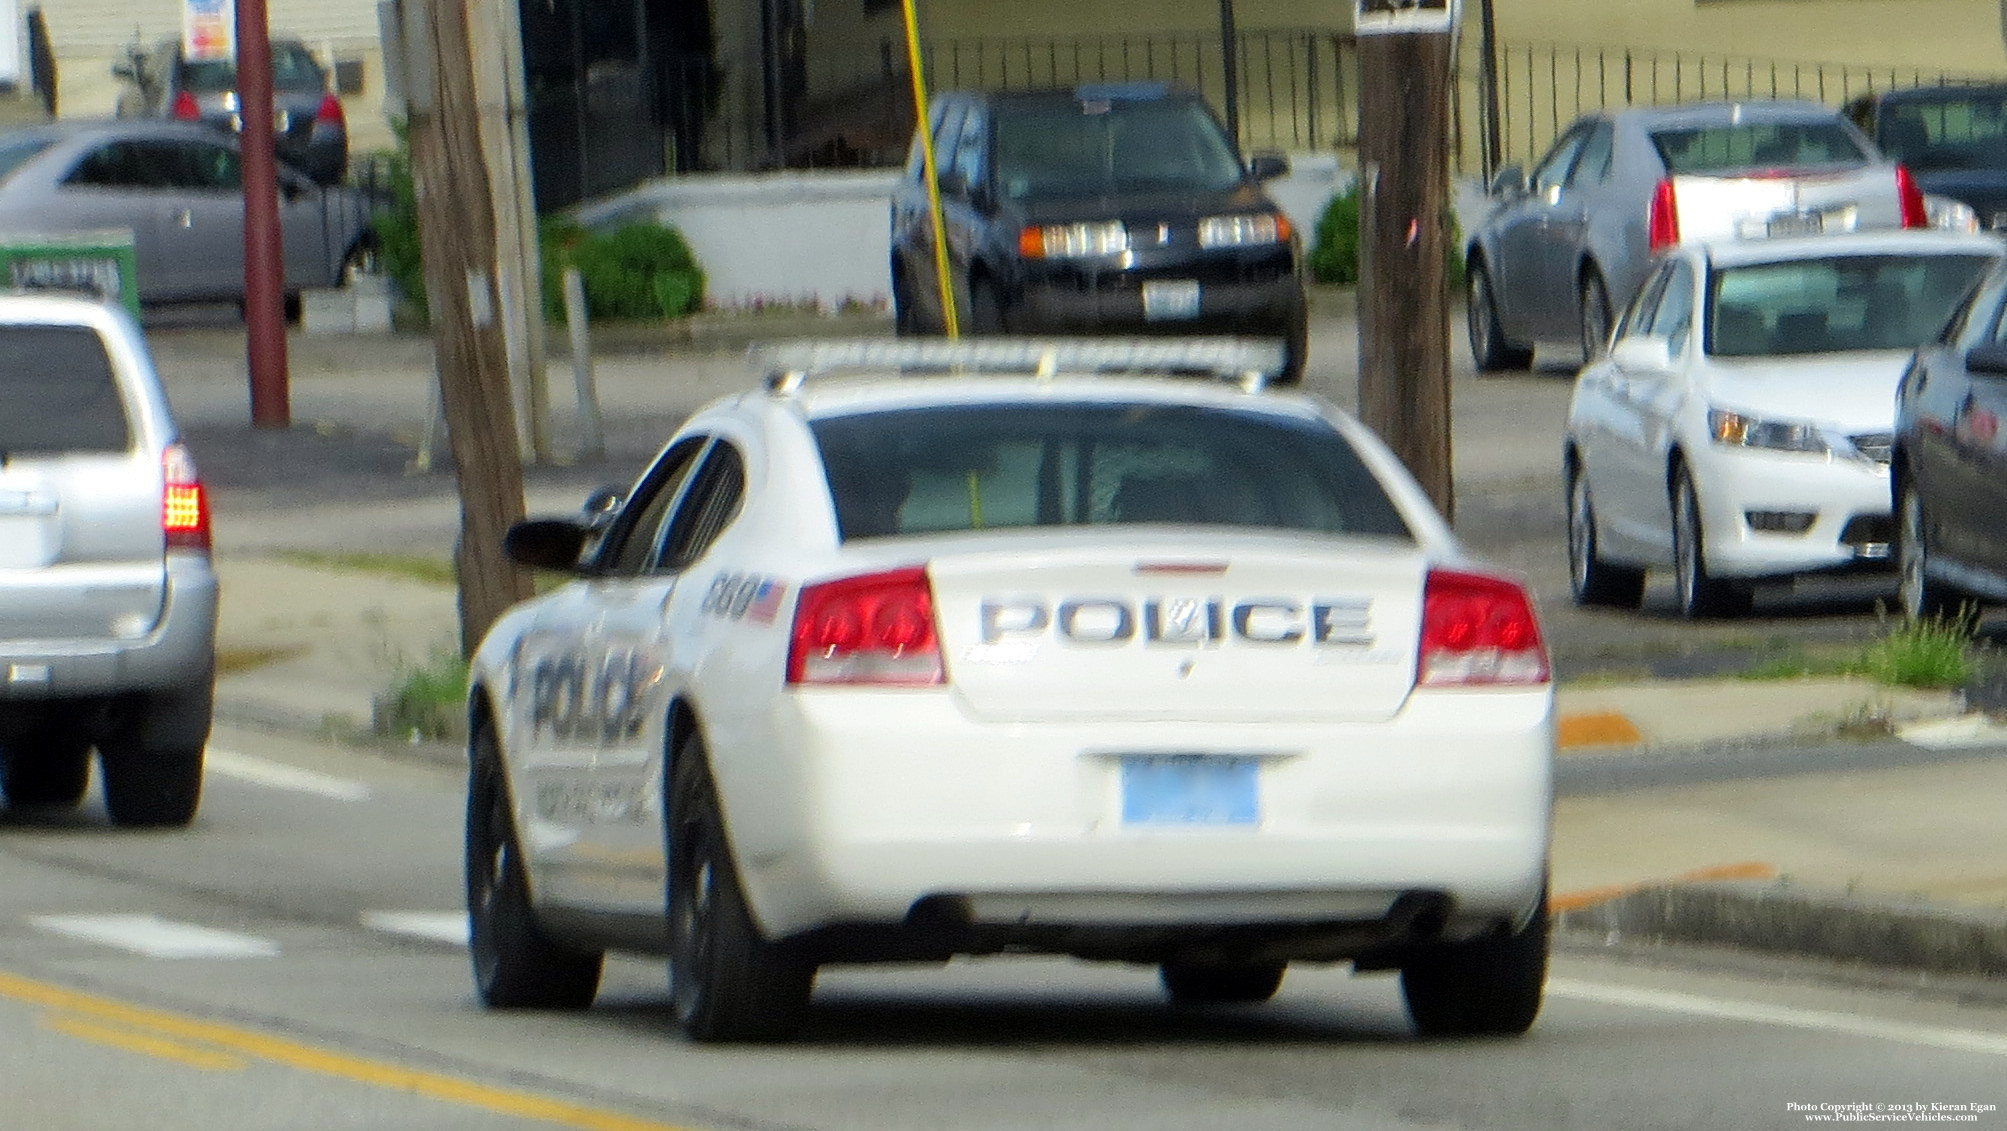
point(1230, 358)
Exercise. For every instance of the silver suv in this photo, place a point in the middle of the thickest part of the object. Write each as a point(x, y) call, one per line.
point(107, 599)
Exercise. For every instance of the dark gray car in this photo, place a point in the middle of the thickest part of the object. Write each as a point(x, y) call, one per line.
point(107, 598)
point(179, 189)
point(1562, 246)
point(309, 126)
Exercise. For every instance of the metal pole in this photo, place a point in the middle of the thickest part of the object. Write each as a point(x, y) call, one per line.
point(942, 276)
point(1229, 44)
point(264, 251)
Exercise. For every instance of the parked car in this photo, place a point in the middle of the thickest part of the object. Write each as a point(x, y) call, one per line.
point(1948, 479)
point(1561, 247)
point(179, 189)
point(1953, 138)
point(107, 599)
point(1119, 208)
point(1738, 428)
point(310, 129)
point(1021, 656)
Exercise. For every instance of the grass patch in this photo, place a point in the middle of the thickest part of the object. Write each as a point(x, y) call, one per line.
point(411, 567)
point(425, 701)
point(1935, 652)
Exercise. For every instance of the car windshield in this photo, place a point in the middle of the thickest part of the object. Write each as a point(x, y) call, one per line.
point(1093, 147)
point(1855, 302)
point(57, 384)
point(1758, 145)
point(293, 71)
point(978, 467)
point(1948, 132)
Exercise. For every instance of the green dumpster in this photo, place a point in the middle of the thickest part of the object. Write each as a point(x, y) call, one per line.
point(97, 263)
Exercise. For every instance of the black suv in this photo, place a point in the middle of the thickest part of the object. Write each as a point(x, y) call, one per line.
point(1952, 139)
point(1121, 208)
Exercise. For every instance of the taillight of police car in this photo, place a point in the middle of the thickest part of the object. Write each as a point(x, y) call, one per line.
point(1478, 630)
point(875, 629)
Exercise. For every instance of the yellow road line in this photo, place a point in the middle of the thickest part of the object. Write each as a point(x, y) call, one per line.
point(310, 1058)
point(1589, 897)
point(209, 1059)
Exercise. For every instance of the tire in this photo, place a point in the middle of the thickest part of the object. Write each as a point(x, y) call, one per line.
point(1295, 351)
point(516, 965)
point(905, 319)
point(1922, 597)
point(1192, 983)
point(1595, 306)
point(151, 763)
point(1488, 348)
point(1700, 596)
point(1486, 987)
point(1592, 581)
point(727, 982)
point(986, 309)
point(46, 768)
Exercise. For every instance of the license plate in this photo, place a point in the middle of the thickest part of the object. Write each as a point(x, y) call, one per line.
point(1795, 224)
point(1189, 789)
point(1168, 299)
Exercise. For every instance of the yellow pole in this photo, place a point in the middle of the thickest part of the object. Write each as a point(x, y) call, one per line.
point(943, 279)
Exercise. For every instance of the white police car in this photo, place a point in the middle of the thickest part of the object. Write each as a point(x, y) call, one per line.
point(1018, 656)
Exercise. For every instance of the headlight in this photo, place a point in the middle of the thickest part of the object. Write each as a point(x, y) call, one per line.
point(1955, 215)
point(1243, 231)
point(1737, 430)
point(1073, 241)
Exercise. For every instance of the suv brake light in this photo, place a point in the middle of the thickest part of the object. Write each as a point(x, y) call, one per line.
point(1910, 194)
point(875, 629)
point(185, 107)
point(1662, 224)
point(1478, 630)
point(330, 113)
point(184, 507)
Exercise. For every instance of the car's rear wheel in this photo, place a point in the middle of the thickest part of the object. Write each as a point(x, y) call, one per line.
point(905, 319)
point(516, 965)
point(1488, 348)
point(1593, 581)
point(1923, 597)
point(1205, 983)
point(1489, 986)
point(1700, 594)
point(727, 982)
point(46, 767)
point(152, 760)
point(1295, 351)
point(1595, 300)
point(986, 308)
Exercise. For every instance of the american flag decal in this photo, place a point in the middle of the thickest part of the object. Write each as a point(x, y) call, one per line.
point(766, 602)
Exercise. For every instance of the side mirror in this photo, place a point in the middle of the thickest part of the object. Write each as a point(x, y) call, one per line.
point(952, 184)
point(546, 543)
point(1642, 354)
point(1510, 181)
point(1987, 361)
point(1268, 166)
point(601, 506)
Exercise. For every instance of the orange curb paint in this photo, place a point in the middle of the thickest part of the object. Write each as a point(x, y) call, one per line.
point(1589, 897)
point(1602, 728)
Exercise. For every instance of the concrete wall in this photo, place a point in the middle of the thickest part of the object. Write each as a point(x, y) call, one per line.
point(823, 238)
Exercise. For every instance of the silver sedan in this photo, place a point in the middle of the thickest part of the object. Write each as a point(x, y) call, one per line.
point(178, 188)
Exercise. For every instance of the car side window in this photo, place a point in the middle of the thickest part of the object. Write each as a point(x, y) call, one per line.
point(206, 168)
point(630, 542)
point(915, 159)
point(1673, 320)
point(971, 163)
point(1552, 172)
point(946, 136)
point(1592, 166)
point(710, 505)
point(1638, 318)
point(118, 164)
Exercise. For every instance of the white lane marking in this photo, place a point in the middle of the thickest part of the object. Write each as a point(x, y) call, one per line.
point(155, 937)
point(1957, 733)
point(1849, 1024)
point(276, 775)
point(436, 926)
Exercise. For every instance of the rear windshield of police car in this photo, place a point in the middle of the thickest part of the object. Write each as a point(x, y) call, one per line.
point(984, 467)
point(1758, 145)
point(57, 393)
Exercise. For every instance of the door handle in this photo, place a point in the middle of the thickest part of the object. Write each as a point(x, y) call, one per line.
point(184, 218)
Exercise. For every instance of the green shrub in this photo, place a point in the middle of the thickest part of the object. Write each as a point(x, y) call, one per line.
point(397, 226)
point(636, 271)
point(1935, 652)
point(1334, 254)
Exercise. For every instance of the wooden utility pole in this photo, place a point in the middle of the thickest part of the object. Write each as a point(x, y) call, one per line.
point(456, 220)
point(1404, 389)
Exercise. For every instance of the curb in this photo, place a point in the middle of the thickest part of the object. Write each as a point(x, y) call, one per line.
point(1776, 917)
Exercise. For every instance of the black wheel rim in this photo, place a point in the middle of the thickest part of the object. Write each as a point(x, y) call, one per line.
point(1595, 319)
point(1478, 315)
point(692, 893)
point(489, 860)
point(1686, 547)
point(1912, 554)
point(1581, 536)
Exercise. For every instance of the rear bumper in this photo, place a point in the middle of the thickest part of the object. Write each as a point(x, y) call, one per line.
point(180, 649)
point(884, 808)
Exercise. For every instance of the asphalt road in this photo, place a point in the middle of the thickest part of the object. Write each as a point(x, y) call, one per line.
point(288, 963)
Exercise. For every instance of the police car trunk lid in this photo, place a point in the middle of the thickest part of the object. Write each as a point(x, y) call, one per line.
point(1203, 630)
